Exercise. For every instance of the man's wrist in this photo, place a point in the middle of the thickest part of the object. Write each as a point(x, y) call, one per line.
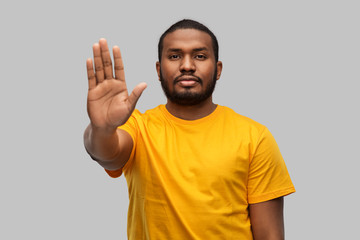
point(102, 131)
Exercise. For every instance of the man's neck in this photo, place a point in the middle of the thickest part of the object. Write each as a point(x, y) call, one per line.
point(192, 112)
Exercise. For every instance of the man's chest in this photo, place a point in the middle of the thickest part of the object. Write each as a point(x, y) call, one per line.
point(214, 161)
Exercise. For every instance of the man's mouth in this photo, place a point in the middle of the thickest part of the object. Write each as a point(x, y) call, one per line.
point(187, 81)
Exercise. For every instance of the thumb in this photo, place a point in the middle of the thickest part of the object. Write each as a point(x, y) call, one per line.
point(136, 93)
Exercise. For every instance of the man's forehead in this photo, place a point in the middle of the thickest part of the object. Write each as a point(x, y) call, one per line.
point(183, 38)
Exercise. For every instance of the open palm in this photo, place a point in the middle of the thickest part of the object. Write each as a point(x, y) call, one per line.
point(109, 104)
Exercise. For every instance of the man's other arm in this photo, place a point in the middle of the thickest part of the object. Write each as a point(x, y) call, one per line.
point(267, 220)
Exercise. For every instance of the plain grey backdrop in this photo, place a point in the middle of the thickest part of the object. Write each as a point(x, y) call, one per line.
point(290, 65)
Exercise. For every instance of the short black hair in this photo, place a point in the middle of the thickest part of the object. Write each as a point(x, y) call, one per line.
point(189, 24)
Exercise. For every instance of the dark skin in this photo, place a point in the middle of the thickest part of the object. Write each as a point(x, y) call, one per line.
point(267, 221)
point(110, 105)
point(188, 51)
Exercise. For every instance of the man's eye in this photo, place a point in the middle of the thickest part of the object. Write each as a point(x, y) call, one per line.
point(200, 56)
point(174, 56)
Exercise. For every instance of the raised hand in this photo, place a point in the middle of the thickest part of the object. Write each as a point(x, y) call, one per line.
point(109, 105)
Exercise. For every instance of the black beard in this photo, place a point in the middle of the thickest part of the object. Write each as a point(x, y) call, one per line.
point(188, 98)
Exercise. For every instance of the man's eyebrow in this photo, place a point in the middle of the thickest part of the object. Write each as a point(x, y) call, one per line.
point(194, 50)
point(200, 49)
point(174, 50)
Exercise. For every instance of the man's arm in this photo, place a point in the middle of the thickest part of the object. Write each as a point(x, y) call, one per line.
point(110, 150)
point(267, 220)
point(109, 106)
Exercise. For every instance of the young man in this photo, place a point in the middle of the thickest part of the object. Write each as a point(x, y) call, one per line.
point(195, 170)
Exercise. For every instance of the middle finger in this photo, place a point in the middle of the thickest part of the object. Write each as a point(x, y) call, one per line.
point(106, 59)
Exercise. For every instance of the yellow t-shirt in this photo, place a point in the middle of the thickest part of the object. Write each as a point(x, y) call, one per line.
point(195, 179)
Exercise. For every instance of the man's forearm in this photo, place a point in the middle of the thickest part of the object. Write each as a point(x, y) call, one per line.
point(100, 144)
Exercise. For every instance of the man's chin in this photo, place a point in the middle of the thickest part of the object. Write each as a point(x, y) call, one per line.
point(187, 98)
point(188, 95)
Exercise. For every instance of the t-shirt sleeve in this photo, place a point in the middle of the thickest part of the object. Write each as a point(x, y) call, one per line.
point(131, 127)
point(268, 175)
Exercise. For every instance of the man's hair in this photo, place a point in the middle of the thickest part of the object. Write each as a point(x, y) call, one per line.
point(189, 24)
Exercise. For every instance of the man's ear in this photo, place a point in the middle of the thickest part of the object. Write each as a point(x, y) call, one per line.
point(219, 67)
point(158, 69)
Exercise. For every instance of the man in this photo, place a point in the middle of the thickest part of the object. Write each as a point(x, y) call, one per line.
point(195, 170)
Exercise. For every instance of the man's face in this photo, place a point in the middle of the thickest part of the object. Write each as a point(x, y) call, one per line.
point(188, 71)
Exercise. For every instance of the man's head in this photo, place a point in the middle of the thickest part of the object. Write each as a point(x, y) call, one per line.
point(188, 65)
point(189, 24)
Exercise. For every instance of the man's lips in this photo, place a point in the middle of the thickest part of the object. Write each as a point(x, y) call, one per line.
point(187, 81)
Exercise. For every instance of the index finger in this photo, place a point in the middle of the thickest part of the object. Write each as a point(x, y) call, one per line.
point(118, 64)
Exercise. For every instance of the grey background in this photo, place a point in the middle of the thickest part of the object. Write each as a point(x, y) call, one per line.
point(291, 65)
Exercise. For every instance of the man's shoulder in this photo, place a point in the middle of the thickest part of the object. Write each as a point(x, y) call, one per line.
point(232, 115)
point(155, 112)
point(146, 112)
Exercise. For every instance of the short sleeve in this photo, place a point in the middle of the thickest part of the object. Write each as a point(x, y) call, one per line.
point(268, 176)
point(131, 127)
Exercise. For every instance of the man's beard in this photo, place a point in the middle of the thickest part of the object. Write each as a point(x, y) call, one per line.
point(187, 97)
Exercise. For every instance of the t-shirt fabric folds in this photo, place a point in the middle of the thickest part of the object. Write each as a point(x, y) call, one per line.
point(195, 179)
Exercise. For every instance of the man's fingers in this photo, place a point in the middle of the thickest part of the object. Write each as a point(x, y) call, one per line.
point(106, 58)
point(136, 93)
point(99, 68)
point(118, 64)
point(90, 73)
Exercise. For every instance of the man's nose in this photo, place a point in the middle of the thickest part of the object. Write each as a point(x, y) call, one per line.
point(187, 64)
